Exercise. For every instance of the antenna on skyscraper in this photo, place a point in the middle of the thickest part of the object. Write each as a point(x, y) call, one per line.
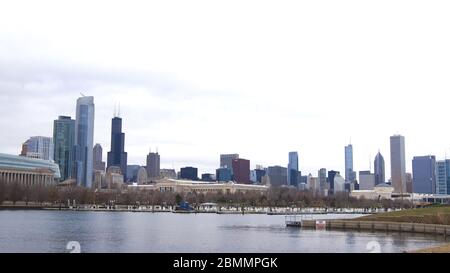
point(82, 94)
point(156, 149)
point(370, 162)
point(118, 114)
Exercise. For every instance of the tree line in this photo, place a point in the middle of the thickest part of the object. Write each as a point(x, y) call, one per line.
point(274, 197)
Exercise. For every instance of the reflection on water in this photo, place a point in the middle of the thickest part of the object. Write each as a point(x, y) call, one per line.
point(50, 231)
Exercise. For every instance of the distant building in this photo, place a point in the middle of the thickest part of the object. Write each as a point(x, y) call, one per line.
point(339, 184)
point(253, 176)
point(241, 170)
point(226, 161)
point(141, 176)
point(132, 173)
point(153, 165)
point(99, 180)
point(84, 141)
point(443, 177)
point(208, 177)
point(379, 169)
point(380, 191)
point(398, 163)
point(313, 184)
point(39, 147)
point(63, 142)
point(114, 178)
point(409, 183)
point(259, 174)
point(28, 171)
point(117, 156)
point(189, 173)
point(167, 173)
point(349, 173)
point(276, 176)
point(331, 175)
point(292, 170)
point(99, 164)
point(366, 180)
point(322, 176)
point(424, 174)
point(223, 175)
point(184, 186)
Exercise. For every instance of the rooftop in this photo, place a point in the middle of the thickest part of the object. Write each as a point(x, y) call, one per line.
point(27, 163)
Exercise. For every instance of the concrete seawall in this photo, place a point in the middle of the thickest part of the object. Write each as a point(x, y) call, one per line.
point(381, 226)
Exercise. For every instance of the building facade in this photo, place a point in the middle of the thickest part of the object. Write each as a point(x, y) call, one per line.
point(28, 171)
point(398, 163)
point(84, 141)
point(97, 157)
point(379, 169)
point(443, 176)
point(424, 174)
point(63, 142)
point(153, 165)
point(366, 180)
point(39, 147)
point(277, 176)
point(226, 161)
point(168, 173)
point(322, 176)
point(241, 170)
point(331, 175)
point(349, 173)
point(223, 175)
point(189, 173)
point(292, 170)
point(117, 156)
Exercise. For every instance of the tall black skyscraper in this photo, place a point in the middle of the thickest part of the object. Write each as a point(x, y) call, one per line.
point(117, 156)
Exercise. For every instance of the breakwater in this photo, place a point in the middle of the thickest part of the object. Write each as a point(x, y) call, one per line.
point(381, 226)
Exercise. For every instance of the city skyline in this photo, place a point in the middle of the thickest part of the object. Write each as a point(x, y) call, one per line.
point(281, 77)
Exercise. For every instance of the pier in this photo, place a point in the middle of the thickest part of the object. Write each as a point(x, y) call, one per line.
point(295, 221)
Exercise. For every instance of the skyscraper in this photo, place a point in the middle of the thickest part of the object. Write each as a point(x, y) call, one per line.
point(63, 142)
point(331, 175)
point(99, 165)
point(424, 174)
point(277, 176)
point(292, 172)
point(366, 180)
point(226, 161)
point(241, 170)
point(379, 169)
point(84, 141)
point(443, 176)
point(398, 168)
point(39, 147)
point(189, 173)
point(117, 156)
point(322, 176)
point(153, 165)
point(349, 174)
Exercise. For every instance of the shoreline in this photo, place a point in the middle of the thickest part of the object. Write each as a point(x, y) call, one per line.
point(170, 209)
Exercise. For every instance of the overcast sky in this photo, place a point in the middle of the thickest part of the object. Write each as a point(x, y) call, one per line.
point(258, 78)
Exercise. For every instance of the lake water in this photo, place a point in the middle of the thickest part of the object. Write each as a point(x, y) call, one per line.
point(50, 231)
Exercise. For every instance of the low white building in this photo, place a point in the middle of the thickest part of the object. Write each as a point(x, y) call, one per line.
point(380, 191)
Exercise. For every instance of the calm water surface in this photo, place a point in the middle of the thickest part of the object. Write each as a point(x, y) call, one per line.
point(50, 231)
